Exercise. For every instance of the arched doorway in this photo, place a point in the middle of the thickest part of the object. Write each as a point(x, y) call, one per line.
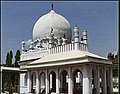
point(77, 82)
point(107, 82)
point(42, 83)
point(101, 81)
point(94, 90)
point(33, 82)
point(52, 82)
point(64, 82)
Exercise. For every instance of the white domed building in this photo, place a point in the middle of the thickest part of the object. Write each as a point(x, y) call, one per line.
point(51, 20)
point(55, 64)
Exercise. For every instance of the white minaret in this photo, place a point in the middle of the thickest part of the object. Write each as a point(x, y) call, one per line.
point(84, 33)
point(76, 37)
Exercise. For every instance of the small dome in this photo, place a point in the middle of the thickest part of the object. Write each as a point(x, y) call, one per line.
point(58, 23)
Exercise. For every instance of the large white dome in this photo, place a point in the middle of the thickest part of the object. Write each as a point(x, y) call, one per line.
point(60, 25)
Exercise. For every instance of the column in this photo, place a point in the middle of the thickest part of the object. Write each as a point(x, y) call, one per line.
point(46, 82)
point(97, 80)
point(29, 81)
point(108, 81)
point(70, 81)
point(76, 46)
point(1, 78)
point(87, 80)
point(57, 81)
point(76, 37)
point(104, 81)
point(37, 82)
point(111, 80)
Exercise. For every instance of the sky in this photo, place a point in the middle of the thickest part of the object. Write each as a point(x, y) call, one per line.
point(100, 19)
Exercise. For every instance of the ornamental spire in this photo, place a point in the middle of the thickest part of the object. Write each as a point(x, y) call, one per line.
point(52, 6)
point(76, 25)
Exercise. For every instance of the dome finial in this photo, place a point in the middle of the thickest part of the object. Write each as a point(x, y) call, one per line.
point(52, 6)
point(76, 25)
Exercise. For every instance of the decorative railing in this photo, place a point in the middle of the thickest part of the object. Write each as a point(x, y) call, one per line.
point(67, 47)
point(38, 53)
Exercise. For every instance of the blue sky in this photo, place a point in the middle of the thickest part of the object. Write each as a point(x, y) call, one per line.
point(99, 18)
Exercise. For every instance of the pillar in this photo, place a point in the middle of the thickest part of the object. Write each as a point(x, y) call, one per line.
point(37, 82)
point(1, 79)
point(57, 81)
point(46, 82)
point(76, 37)
point(104, 81)
point(111, 80)
point(29, 81)
point(94, 81)
point(87, 80)
point(42, 82)
point(84, 33)
point(70, 81)
point(97, 80)
point(108, 81)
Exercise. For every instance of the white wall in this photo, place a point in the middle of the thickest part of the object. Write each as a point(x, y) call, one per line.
point(23, 86)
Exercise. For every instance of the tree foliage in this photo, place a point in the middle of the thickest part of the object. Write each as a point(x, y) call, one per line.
point(8, 63)
point(9, 58)
point(10, 78)
point(17, 58)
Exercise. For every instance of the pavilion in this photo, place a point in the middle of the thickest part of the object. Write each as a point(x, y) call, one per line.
point(56, 64)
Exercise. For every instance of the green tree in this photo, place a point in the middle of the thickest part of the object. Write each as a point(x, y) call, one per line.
point(9, 57)
point(17, 58)
point(9, 81)
point(8, 63)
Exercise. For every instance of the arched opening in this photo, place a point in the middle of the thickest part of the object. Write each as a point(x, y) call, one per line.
point(33, 83)
point(42, 83)
point(52, 82)
point(94, 90)
point(64, 82)
point(78, 82)
point(101, 82)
